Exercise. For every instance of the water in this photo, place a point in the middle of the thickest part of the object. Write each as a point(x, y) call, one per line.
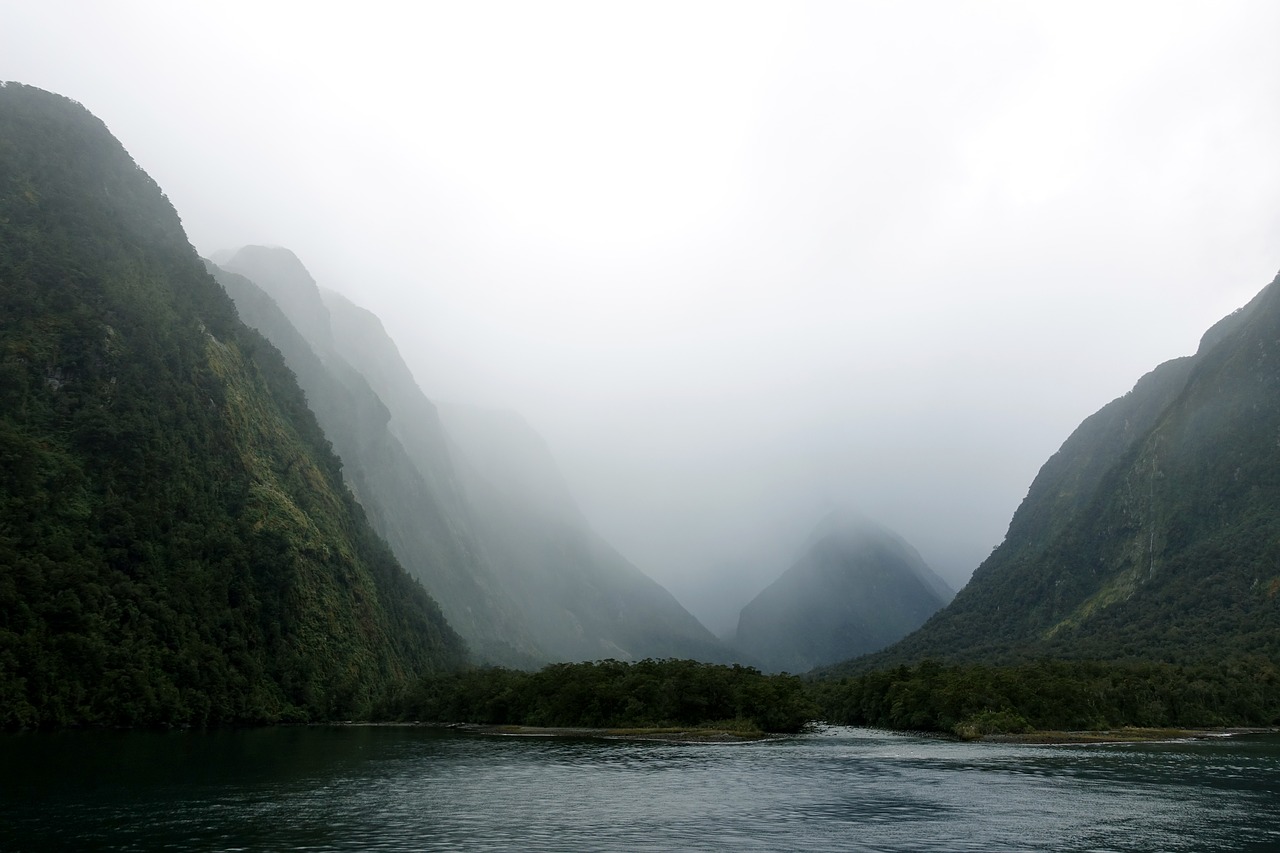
point(385, 788)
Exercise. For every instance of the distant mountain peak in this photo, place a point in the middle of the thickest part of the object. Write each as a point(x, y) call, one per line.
point(282, 275)
point(856, 587)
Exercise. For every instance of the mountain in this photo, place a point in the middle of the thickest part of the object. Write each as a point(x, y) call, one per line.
point(360, 339)
point(856, 588)
point(583, 600)
point(475, 508)
point(419, 515)
point(1154, 532)
point(177, 544)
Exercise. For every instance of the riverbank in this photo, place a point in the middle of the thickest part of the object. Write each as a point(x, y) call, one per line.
point(673, 734)
point(677, 734)
point(1119, 735)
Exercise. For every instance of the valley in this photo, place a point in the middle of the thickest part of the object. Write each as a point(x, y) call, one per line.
point(711, 426)
point(228, 500)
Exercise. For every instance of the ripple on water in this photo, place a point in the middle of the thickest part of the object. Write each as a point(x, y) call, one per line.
point(838, 789)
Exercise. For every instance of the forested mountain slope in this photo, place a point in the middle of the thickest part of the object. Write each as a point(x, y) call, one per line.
point(1154, 533)
point(177, 545)
point(404, 507)
point(856, 587)
point(486, 524)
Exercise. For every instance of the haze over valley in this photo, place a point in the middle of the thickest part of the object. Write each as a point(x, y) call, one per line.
point(740, 270)
point(701, 426)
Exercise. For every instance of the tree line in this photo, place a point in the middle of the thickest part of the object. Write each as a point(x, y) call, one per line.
point(614, 694)
point(972, 700)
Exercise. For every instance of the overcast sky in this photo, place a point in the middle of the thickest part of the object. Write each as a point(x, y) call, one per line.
point(738, 263)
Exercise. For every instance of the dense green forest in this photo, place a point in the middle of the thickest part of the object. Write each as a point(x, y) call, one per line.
point(613, 694)
point(177, 545)
point(1153, 534)
point(971, 700)
point(963, 700)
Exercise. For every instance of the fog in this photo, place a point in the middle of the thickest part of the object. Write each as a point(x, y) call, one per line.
point(737, 263)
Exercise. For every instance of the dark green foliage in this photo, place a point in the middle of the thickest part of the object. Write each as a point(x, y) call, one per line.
point(480, 515)
point(974, 700)
point(1154, 533)
point(612, 694)
point(176, 543)
point(407, 508)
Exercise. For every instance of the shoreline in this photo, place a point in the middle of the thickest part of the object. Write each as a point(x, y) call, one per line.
point(1128, 734)
point(677, 734)
point(669, 735)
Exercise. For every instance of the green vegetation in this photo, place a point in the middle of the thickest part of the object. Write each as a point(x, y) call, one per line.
point(967, 700)
point(612, 694)
point(972, 700)
point(406, 507)
point(481, 516)
point(177, 545)
point(1153, 534)
point(1143, 562)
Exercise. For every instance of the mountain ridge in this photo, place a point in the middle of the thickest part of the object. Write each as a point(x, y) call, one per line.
point(528, 580)
point(403, 505)
point(1152, 533)
point(177, 543)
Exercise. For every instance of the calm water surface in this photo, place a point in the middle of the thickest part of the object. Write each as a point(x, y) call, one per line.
point(384, 788)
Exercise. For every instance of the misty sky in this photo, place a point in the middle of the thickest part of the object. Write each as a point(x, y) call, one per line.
point(738, 263)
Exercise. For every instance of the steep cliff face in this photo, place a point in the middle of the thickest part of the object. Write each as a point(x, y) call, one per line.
point(176, 542)
point(470, 500)
point(856, 588)
point(407, 509)
point(1155, 531)
point(582, 599)
point(360, 339)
